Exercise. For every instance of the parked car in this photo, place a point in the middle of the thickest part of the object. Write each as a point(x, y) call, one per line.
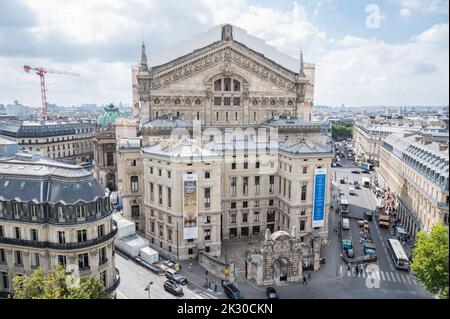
point(172, 274)
point(351, 191)
point(342, 181)
point(356, 172)
point(271, 293)
point(231, 291)
point(349, 252)
point(365, 172)
point(357, 186)
point(173, 287)
point(338, 164)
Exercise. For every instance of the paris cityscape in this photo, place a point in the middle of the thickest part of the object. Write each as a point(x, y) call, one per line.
point(224, 150)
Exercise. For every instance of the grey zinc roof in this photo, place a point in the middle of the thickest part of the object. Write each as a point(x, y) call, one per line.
point(215, 34)
point(44, 180)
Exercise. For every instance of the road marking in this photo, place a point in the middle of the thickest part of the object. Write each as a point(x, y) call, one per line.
point(409, 279)
point(403, 278)
point(382, 275)
point(388, 276)
point(117, 291)
point(398, 277)
point(414, 281)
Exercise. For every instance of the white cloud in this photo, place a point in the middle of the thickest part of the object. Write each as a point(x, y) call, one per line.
point(373, 72)
point(405, 12)
point(100, 39)
point(426, 6)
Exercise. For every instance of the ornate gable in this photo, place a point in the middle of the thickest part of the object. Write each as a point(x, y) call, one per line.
point(228, 52)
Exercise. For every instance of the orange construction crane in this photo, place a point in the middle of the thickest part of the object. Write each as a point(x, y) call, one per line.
point(41, 72)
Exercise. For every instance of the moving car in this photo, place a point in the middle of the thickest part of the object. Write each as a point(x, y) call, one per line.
point(345, 223)
point(342, 181)
point(173, 288)
point(231, 290)
point(349, 252)
point(365, 172)
point(351, 191)
point(271, 293)
point(356, 172)
point(172, 274)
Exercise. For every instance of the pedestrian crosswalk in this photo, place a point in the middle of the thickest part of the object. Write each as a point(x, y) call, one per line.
point(389, 276)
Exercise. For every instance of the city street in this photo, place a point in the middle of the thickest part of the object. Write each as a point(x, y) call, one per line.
point(134, 278)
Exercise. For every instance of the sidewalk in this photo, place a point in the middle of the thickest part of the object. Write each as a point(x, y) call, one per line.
point(198, 278)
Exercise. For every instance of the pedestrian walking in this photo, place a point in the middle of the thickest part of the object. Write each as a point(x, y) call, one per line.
point(190, 267)
point(349, 267)
point(304, 281)
point(309, 276)
point(215, 287)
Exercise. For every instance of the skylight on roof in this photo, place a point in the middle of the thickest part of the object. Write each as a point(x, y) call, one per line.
point(6, 184)
point(22, 184)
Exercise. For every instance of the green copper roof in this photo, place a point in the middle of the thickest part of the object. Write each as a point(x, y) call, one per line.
point(109, 117)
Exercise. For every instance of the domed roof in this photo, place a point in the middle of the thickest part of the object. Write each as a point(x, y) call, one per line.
point(109, 117)
point(280, 235)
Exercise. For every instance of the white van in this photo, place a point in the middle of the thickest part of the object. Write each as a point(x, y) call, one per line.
point(345, 223)
point(351, 191)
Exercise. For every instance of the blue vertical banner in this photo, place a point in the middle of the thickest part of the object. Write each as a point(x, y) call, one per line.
point(320, 179)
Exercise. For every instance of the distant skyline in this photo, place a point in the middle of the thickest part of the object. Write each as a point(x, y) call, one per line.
point(385, 52)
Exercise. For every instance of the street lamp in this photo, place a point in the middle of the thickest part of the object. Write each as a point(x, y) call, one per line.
point(148, 288)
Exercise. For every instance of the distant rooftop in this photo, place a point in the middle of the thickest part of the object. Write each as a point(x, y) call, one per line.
point(166, 122)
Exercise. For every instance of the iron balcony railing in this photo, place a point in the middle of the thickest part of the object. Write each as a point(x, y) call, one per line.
point(60, 246)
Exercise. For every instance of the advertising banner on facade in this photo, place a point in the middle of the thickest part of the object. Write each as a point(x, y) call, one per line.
point(320, 178)
point(190, 210)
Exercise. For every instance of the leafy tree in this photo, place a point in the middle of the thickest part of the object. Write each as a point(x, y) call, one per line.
point(57, 284)
point(430, 262)
point(341, 131)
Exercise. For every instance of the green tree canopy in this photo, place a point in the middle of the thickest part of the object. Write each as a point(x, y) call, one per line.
point(57, 284)
point(341, 131)
point(430, 260)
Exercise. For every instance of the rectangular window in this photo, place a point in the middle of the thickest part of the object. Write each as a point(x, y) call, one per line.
point(207, 234)
point(101, 231)
point(207, 197)
point(18, 257)
point(16, 209)
point(159, 172)
point(103, 277)
point(61, 237)
point(271, 183)
point(236, 101)
point(82, 235)
point(257, 165)
point(110, 159)
point(133, 162)
point(208, 220)
point(270, 202)
point(102, 256)
point(245, 217)
point(81, 211)
point(227, 101)
point(227, 84)
point(305, 169)
point(217, 101)
point(152, 227)
point(233, 218)
point(4, 280)
point(2, 256)
point(233, 205)
point(83, 261)
point(303, 193)
point(151, 192)
point(160, 196)
point(244, 204)
point(233, 165)
point(257, 179)
point(34, 260)
point(134, 183)
point(233, 186)
point(289, 189)
point(2, 232)
point(207, 175)
point(17, 232)
point(302, 225)
point(169, 174)
point(245, 185)
point(256, 216)
point(33, 211)
point(34, 234)
point(245, 165)
point(169, 197)
point(256, 203)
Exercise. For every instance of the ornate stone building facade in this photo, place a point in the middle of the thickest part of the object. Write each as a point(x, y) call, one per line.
point(229, 81)
point(53, 213)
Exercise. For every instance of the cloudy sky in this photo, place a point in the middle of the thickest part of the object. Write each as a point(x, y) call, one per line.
point(377, 52)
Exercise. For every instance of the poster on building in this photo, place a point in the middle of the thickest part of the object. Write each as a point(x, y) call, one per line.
point(190, 211)
point(320, 178)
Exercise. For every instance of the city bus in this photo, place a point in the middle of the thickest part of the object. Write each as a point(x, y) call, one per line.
point(398, 254)
point(344, 208)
